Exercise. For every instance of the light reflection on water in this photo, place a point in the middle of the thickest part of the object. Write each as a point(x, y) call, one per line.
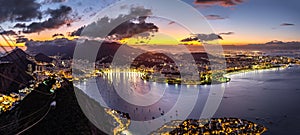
point(268, 97)
point(146, 101)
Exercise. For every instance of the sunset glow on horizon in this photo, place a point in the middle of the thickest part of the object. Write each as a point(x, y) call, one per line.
point(237, 24)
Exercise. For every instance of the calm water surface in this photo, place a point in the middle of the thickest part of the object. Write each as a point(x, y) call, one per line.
point(269, 97)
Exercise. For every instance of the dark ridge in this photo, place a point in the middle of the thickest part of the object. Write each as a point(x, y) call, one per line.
point(43, 58)
point(151, 59)
point(14, 55)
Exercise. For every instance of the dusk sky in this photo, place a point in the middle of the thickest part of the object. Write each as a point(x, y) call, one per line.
point(239, 22)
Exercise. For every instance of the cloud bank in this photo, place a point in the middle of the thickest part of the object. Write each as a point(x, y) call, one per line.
point(58, 18)
point(53, 1)
point(226, 33)
point(9, 33)
point(214, 17)
point(287, 24)
point(131, 24)
point(224, 3)
point(19, 10)
point(202, 37)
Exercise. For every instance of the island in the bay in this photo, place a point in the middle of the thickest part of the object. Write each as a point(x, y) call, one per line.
point(214, 126)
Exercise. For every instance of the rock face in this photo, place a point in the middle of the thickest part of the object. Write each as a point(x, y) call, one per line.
point(14, 71)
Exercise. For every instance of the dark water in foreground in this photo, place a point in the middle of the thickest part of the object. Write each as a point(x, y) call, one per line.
point(271, 98)
point(268, 97)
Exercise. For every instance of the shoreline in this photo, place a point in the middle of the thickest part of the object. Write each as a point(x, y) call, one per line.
point(226, 76)
point(253, 70)
point(189, 83)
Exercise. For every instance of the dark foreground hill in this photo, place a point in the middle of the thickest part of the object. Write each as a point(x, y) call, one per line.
point(66, 118)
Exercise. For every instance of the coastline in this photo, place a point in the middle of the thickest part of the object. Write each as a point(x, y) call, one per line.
point(178, 81)
point(228, 74)
point(226, 77)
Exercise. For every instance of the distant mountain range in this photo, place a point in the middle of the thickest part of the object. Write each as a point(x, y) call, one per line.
point(65, 48)
point(62, 47)
point(272, 45)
